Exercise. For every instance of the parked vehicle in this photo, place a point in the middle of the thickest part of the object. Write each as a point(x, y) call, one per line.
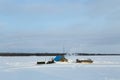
point(42, 62)
point(84, 61)
point(50, 62)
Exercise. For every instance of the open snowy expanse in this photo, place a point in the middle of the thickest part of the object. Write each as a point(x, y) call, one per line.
point(71, 27)
point(25, 68)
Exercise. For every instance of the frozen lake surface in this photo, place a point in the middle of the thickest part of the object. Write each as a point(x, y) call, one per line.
point(25, 68)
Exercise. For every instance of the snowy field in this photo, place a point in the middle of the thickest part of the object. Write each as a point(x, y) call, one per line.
point(25, 68)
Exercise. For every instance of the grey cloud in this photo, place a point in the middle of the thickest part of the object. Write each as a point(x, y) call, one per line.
point(94, 8)
point(90, 34)
point(37, 8)
point(104, 7)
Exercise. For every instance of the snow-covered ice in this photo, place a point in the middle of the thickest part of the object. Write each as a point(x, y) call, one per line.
point(25, 68)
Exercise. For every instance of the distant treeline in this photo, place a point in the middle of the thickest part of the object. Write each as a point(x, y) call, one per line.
point(95, 54)
point(31, 54)
point(55, 54)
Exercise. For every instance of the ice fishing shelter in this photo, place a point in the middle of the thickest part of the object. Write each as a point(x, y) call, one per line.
point(60, 58)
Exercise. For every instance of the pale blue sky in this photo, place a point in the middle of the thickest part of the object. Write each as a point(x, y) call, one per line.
point(47, 25)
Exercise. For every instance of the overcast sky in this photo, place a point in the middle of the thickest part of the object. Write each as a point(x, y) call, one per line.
point(48, 25)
